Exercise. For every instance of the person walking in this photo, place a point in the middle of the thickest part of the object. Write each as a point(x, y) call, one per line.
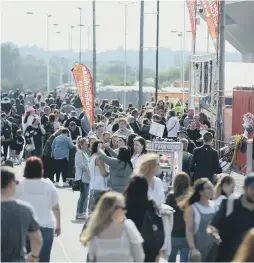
point(33, 137)
point(47, 158)
point(179, 243)
point(109, 236)
point(199, 212)
point(205, 161)
point(61, 147)
point(234, 219)
point(82, 175)
point(146, 216)
point(43, 197)
point(173, 125)
point(18, 221)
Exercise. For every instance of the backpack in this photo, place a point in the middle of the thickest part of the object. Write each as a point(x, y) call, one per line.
point(6, 130)
point(152, 230)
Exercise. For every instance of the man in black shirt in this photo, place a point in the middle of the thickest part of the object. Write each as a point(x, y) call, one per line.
point(73, 118)
point(205, 161)
point(74, 132)
point(234, 219)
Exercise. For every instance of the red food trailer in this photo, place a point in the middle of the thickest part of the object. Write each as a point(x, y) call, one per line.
point(243, 102)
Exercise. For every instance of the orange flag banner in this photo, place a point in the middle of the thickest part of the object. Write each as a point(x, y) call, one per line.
point(211, 13)
point(84, 84)
point(192, 7)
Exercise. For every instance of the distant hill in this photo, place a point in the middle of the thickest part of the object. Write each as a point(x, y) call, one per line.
point(167, 57)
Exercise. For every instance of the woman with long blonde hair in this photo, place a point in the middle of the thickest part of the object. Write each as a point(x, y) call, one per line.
point(149, 166)
point(109, 235)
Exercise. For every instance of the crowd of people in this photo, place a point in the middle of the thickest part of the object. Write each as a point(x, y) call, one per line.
point(127, 213)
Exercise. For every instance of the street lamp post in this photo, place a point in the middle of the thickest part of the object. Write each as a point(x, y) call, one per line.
point(157, 52)
point(48, 59)
point(60, 63)
point(48, 16)
point(141, 55)
point(80, 32)
point(70, 60)
point(126, 4)
point(181, 34)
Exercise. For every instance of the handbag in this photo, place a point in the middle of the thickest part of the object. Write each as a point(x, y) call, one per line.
point(30, 146)
point(77, 186)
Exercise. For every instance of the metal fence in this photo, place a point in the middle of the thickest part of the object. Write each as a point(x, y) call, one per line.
point(124, 97)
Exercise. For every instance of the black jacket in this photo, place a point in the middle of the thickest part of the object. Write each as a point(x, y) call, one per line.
point(205, 163)
point(76, 120)
point(135, 127)
point(191, 146)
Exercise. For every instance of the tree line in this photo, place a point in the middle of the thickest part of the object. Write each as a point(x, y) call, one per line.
point(28, 72)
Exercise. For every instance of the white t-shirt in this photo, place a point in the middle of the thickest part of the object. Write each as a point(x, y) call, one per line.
point(135, 160)
point(97, 181)
point(173, 127)
point(156, 191)
point(42, 195)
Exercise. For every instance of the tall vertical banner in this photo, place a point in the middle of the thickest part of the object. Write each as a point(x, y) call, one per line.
point(204, 82)
point(211, 13)
point(84, 84)
point(192, 7)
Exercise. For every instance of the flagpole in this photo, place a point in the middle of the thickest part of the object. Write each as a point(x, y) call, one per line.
point(220, 99)
point(183, 55)
point(141, 50)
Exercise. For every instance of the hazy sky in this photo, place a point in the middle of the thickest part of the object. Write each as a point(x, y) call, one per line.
point(23, 29)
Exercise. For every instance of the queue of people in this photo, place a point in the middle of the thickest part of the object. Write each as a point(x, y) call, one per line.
point(128, 215)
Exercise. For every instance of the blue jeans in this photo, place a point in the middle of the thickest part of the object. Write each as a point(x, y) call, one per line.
point(179, 244)
point(48, 237)
point(82, 202)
